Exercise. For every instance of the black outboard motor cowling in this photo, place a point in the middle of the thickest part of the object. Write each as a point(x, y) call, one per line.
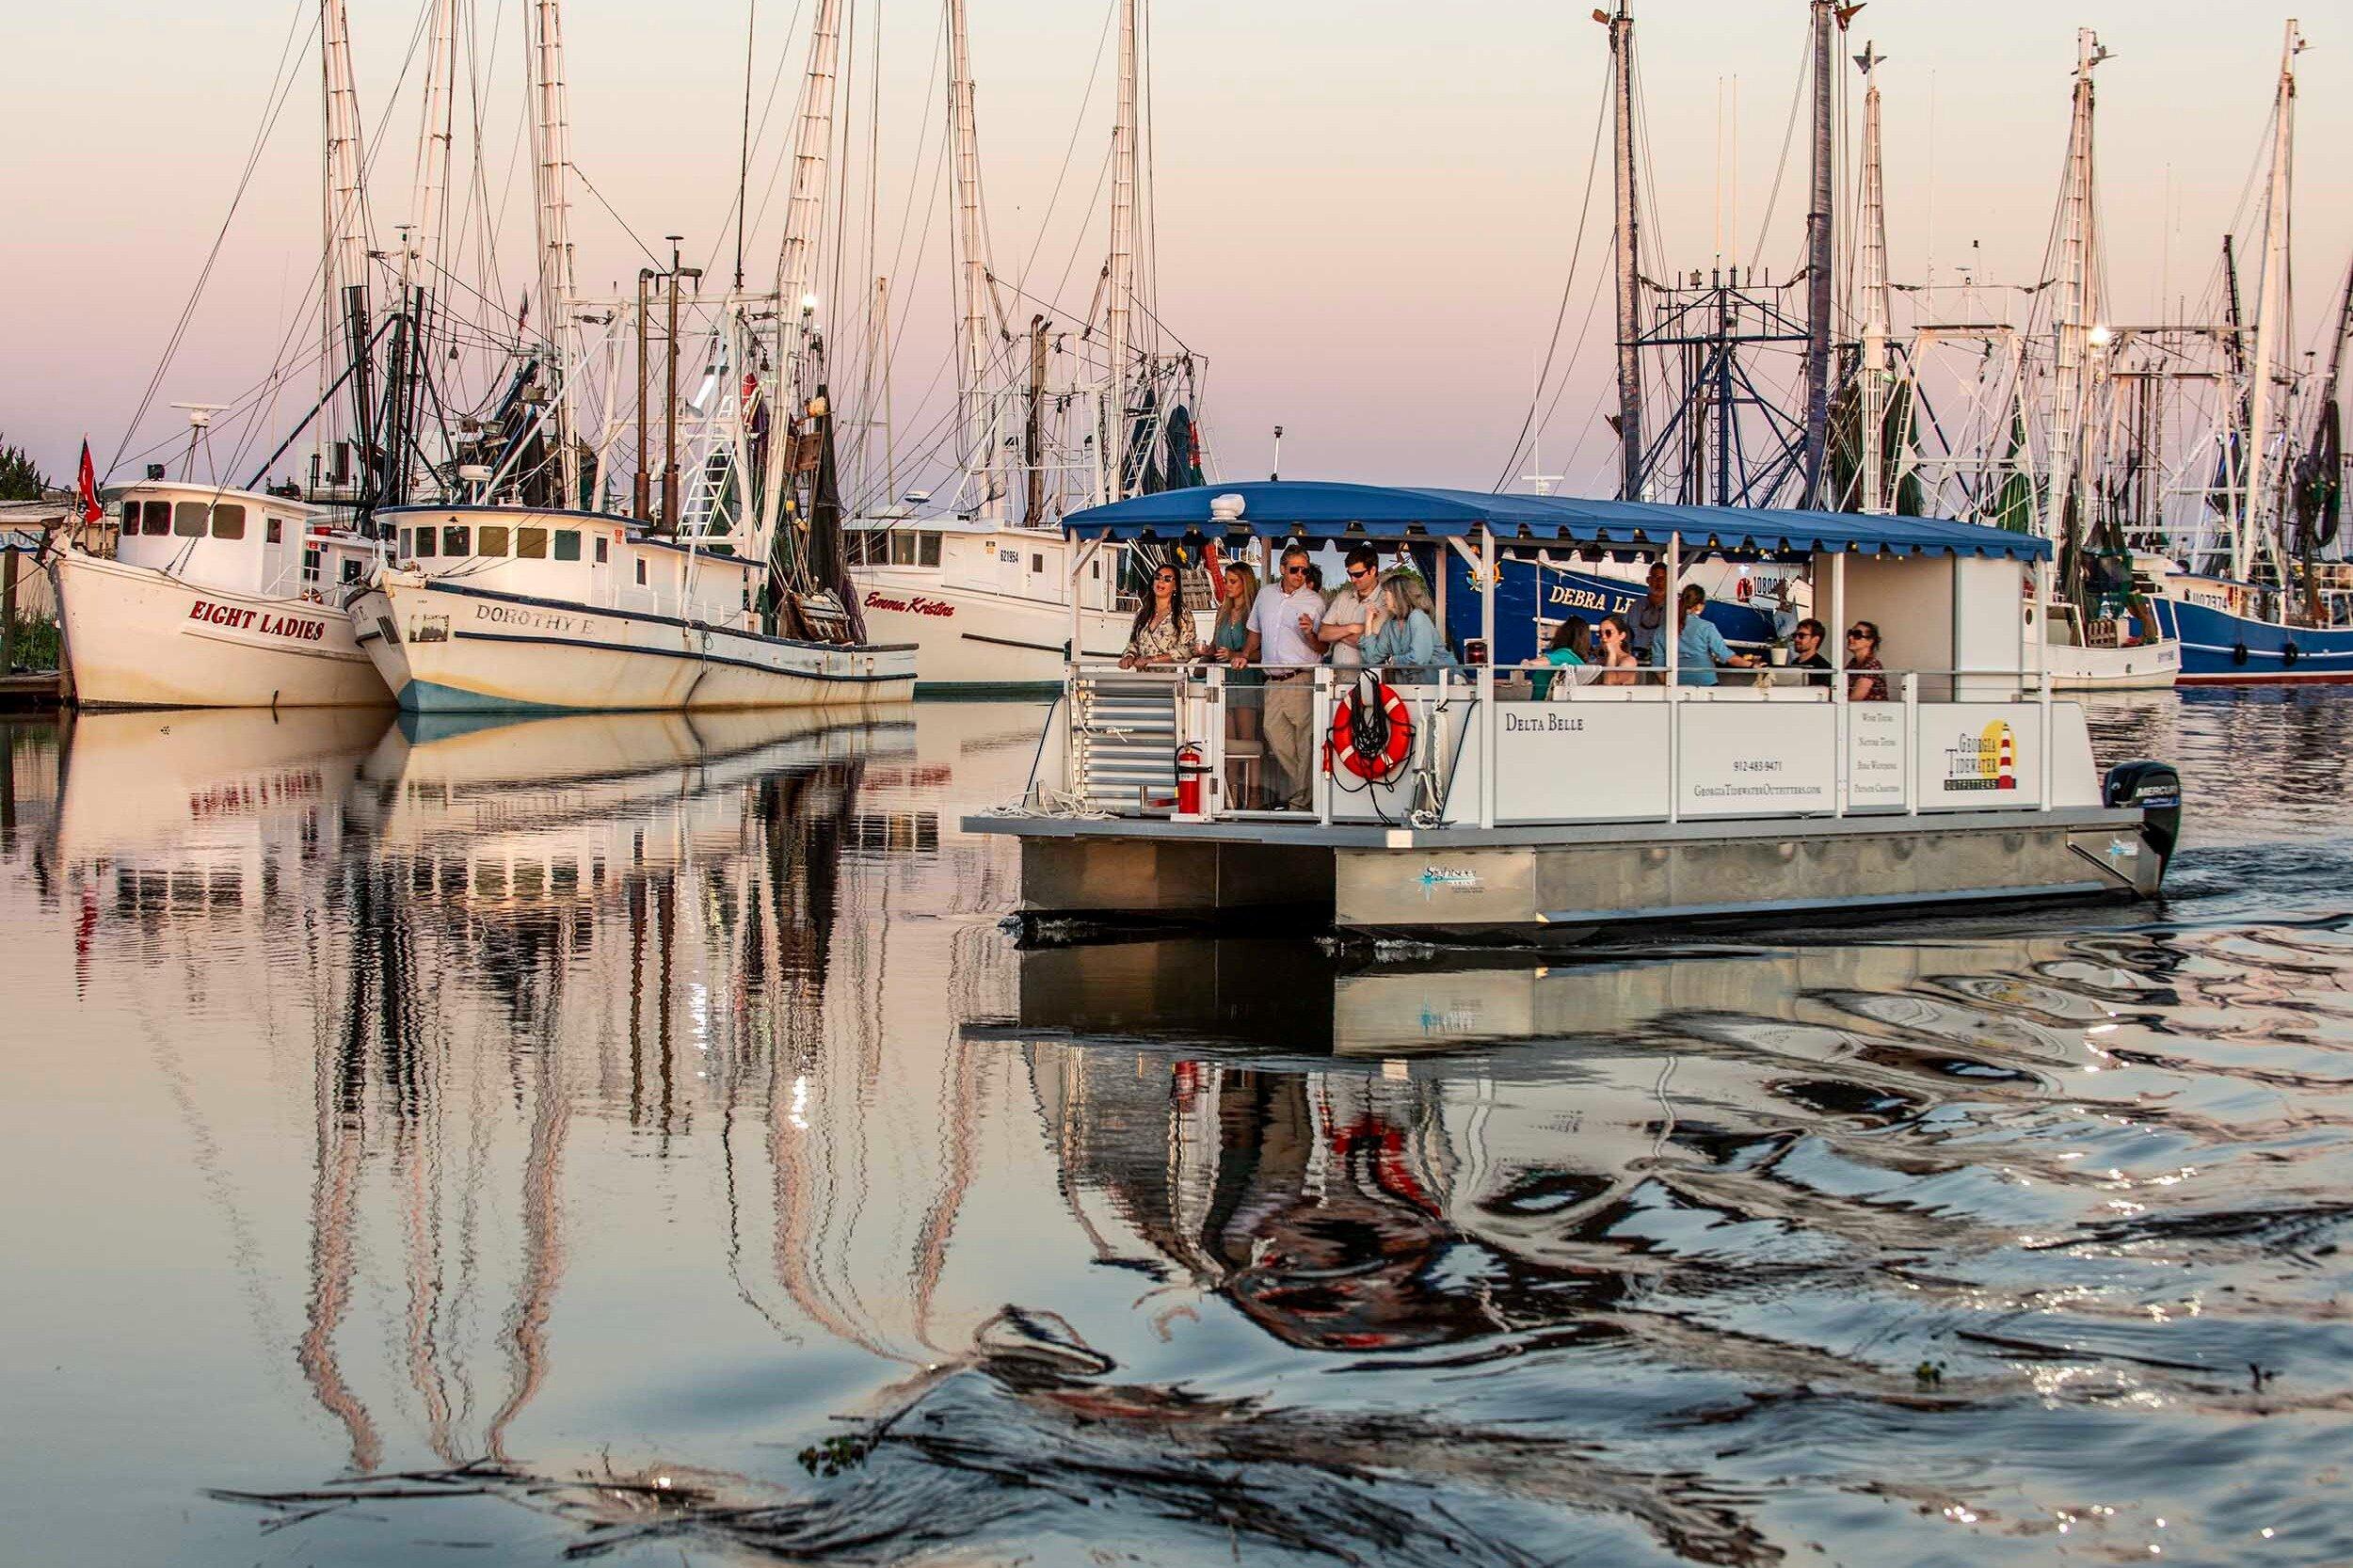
point(2153, 789)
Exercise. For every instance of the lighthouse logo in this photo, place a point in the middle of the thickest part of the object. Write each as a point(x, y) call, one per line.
point(1983, 759)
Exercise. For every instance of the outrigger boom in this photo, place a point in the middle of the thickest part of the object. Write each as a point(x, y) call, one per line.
point(1776, 793)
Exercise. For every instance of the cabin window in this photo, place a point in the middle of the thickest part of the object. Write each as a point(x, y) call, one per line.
point(405, 537)
point(455, 540)
point(927, 550)
point(1037, 563)
point(352, 566)
point(568, 544)
point(273, 531)
point(641, 571)
point(310, 563)
point(229, 522)
point(1094, 569)
point(902, 548)
point(188, 520)
point(531, 544)
point(600, 558)
point(424, 542)
point(491, 539)
point(158, 517)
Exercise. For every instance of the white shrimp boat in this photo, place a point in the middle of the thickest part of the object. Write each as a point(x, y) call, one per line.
point(988, 607)
point(1765, 793)
point(506, 609)
point(215, 597)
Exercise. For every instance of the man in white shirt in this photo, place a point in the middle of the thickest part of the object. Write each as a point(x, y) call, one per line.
point(1281, 637)
point(1343, 625)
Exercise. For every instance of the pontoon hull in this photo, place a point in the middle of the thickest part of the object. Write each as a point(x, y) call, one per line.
point(138, 637)
point(445, 650)
point(1568, 883)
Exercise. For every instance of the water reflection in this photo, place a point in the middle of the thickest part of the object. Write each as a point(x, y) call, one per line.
point(647, 1097)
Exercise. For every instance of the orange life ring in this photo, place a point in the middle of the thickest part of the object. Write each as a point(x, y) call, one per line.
point(1392, 755)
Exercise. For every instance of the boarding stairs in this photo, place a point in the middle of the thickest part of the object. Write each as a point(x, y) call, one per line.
point(1123, 731)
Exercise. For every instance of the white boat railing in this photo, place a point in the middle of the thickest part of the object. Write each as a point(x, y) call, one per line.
point(1772, 742)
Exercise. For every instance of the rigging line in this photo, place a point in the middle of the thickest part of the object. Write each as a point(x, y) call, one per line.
point(377, 143)
point(1592, 304)
point(281, 85)
point(1095, 75)
point(767, 112)
point(1788, 131)
point(743, 147)
point(591, 189)
point(1561, 313)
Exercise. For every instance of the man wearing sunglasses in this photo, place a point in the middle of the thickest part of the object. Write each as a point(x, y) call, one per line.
point(1281, 638)
point(1343, 626)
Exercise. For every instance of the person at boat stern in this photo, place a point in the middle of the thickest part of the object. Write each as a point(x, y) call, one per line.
point(1700, 648)
point(1344, 621)
point(1647, 625)
point(1406, 640)
point(1230, 635)
point(1163, 633)
point(1281, 638)
point(1867, 679)
point(1806, 651)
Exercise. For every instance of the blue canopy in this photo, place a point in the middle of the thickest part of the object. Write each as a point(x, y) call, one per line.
point(1318, 510)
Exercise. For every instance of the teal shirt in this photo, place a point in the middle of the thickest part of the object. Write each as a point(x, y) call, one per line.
point(1540, 681)
point(1699, 649)
point(1411, 643)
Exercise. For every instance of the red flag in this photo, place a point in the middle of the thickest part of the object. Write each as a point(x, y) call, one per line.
point(86, 489)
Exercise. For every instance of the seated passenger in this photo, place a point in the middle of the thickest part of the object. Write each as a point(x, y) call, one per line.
point(1865, 682)
point(1806, 651)
point(1572, 647)
point(1699, 646)
point(1619, 666)
point(1406, 639)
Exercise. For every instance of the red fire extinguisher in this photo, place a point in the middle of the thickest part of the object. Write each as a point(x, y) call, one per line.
point(1191, 769)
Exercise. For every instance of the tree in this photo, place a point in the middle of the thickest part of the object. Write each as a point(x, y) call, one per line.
point(20, 479)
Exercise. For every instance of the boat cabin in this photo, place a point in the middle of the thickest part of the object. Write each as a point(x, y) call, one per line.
point(238, 541)
point(1906, 779)
point(976, 556)
point(587, 558)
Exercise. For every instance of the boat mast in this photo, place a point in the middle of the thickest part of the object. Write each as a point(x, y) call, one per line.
point(1628, 251)
point(973, 279)
point(418, 248)
point(799, 344)
point(348, 225)
point(551, 164)
point(2270, 301)
point(1876, 310)
point(1122, 260)
point(1819, 251)
point(2074, 314)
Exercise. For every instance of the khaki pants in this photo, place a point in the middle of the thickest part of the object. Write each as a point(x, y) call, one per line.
point(1289, 737)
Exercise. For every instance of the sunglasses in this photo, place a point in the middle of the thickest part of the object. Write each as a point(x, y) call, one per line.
point(1860, 637)
point(1358, 575)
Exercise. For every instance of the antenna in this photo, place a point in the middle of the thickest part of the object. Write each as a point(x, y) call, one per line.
point(200, 430)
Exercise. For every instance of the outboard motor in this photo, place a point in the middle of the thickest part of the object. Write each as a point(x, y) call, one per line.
point(2153, 789)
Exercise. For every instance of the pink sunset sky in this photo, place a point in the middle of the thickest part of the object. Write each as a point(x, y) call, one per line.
point(1366, 210)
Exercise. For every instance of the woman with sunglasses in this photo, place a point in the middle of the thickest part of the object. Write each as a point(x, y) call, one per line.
point(1162, 633)
point(1865, 682)
point(1620, 665)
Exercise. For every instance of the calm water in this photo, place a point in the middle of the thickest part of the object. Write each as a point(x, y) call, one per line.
point(658, 1104)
